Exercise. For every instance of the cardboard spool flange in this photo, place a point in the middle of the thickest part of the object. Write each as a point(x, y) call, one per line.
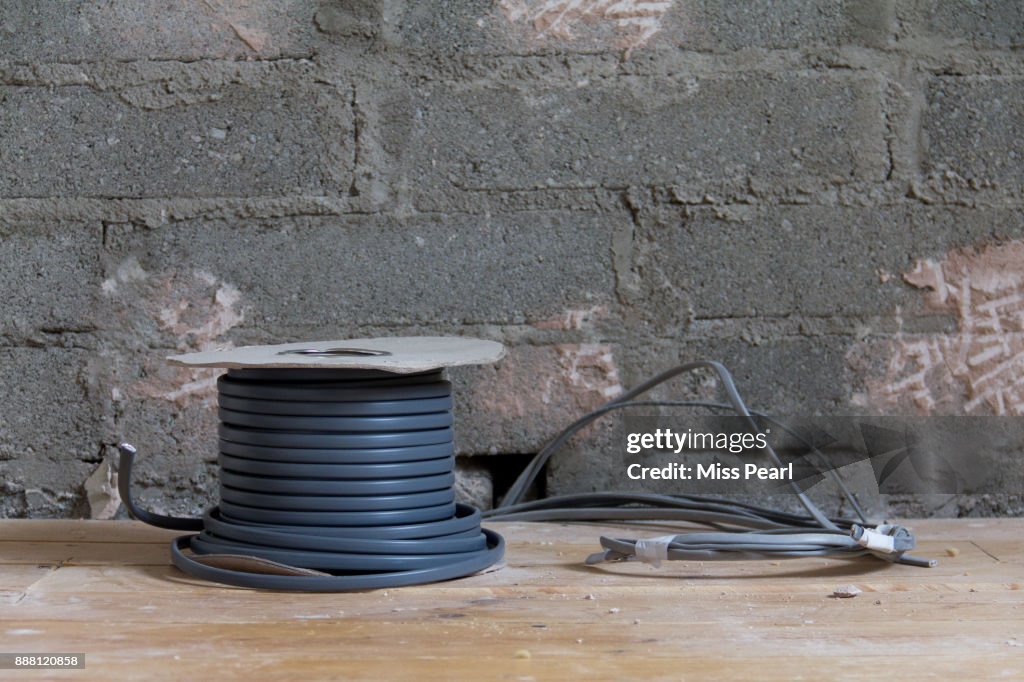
point(399, 354)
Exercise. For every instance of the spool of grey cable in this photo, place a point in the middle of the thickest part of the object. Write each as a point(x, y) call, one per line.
point(336, 468)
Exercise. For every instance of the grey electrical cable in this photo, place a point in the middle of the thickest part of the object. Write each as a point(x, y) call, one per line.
point(331, 480)
point(341, 480)
point(813, 450)
point(846, 538)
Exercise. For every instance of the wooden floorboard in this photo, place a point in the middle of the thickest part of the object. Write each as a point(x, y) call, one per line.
point(107, 589)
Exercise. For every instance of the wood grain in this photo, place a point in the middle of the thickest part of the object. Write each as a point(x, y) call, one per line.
point(107, 589)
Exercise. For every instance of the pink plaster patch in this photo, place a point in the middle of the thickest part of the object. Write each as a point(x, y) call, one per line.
point(196, 307)
point(635, 21)
point(536, 390)
point(575, 319)
point(979, 369)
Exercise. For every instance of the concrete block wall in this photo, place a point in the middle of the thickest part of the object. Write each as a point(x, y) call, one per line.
point(825, 196)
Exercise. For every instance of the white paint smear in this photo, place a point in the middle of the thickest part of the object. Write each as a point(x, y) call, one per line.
point(979, 368)
point(636, 21)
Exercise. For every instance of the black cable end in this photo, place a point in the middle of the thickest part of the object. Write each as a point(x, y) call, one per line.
point(124, 489)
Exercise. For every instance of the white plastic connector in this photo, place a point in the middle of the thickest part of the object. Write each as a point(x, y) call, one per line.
point(873, 539)
point(654, 550)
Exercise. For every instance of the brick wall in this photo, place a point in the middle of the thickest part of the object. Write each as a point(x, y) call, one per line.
point(607, 187)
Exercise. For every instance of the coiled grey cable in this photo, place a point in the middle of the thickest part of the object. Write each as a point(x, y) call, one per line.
point(331, 480)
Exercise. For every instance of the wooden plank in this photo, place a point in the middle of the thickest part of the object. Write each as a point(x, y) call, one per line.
point(537, 553)
point(450, 638)
point(619, 604)
point(528, 568)
point(84, 553)
point(63, 530)
point(81, 530)
point(21, 577)
point(353, 650)
point(543, 665)
point(114, 596)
